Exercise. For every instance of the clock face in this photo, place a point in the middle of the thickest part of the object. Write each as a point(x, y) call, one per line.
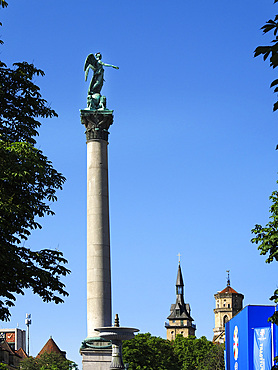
point(10, 337)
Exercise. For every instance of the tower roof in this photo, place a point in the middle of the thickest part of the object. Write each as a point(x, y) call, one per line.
point(51, 347)
point(179, 281)
point(228, 289)
point(180, 310)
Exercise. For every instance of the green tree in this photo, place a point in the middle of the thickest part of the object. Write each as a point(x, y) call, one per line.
point(193, 353)
point(3, 366)
point(271, 50)
point(267, 239)
point(28, 185)
point(152, 353)
point(146, 352)
point(214, 360)
point(51, 361)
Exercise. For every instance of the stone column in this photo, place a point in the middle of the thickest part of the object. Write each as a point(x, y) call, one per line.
point(97, 124)
point(98, 238)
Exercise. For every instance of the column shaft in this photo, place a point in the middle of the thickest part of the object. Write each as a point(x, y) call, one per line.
point(98, 238)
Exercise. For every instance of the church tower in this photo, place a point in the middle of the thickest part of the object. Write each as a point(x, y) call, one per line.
point(228, 303)
point(180, 321)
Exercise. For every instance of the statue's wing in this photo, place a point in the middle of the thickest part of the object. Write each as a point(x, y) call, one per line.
point(90, 62)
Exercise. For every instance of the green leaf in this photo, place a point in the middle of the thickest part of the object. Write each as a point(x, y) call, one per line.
point(275, 106)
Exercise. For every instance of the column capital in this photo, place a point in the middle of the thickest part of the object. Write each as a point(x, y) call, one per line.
point(97, 123)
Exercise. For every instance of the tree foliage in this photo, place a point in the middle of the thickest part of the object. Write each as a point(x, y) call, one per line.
point(153, 353)
point(3, 366)
point(28, 185)
point(148, 352)
point(51, 361)
point(214, 360)
point(271, 50)
point(3, 3)
point(267, 236)
point(201, 354)
point(267, 239)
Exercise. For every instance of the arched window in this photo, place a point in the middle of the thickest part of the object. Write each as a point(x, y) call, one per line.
point(172, 335)
point(179, 290)
point(225, 319)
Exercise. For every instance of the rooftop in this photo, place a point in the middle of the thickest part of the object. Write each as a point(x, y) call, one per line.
point(228, 289)
point(51, 347)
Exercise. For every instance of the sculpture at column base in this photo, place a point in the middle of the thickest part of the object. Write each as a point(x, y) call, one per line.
point(97, 123)
point(95, 343)
point(96, 354)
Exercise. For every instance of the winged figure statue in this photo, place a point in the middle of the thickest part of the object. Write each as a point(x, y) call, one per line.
point(95, 63)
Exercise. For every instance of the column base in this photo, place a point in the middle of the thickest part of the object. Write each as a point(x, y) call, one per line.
point(96, 354)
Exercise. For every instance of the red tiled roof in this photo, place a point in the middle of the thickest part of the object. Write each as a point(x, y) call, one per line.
point(21, 353)
point(50, 347)
point(228, 289)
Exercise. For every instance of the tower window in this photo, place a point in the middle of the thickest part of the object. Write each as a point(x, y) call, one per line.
point(179, 290)
point(229, 306)
point(225, 319)
point(181, 322)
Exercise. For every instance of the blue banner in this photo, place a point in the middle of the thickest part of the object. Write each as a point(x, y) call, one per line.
point(262, 349)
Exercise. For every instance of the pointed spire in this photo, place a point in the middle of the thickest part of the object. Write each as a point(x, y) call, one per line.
point(228, 278)
point(179, 281)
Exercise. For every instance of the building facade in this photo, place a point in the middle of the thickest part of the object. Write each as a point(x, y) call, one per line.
point(16, 338)
point(179, 320)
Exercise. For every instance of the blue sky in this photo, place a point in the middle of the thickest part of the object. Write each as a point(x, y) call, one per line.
point(192, 157)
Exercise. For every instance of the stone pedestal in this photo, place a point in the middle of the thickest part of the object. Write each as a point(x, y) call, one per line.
point(96, 359)
point(96, 353)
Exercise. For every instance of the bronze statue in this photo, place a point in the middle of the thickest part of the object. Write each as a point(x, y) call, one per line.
point(95, 100)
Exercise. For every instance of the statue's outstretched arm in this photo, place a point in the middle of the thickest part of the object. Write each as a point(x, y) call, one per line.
point(108, 65)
